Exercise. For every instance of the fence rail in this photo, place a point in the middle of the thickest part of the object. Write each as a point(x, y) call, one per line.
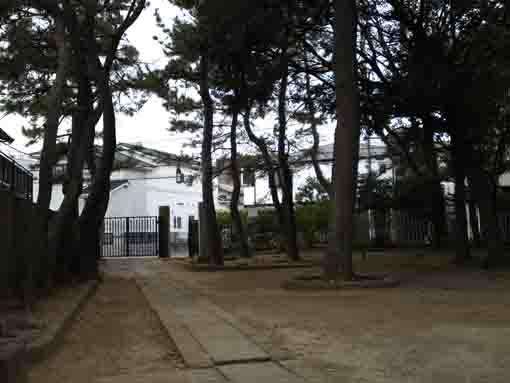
point(15, 178)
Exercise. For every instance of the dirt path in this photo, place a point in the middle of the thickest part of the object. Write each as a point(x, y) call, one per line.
point(115, 334)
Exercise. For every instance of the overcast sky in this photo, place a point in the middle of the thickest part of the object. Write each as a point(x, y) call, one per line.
point(149, 126)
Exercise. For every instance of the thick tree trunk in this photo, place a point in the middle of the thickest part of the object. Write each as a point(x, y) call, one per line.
point(347, 104)
point(285, 172)
point(213, 236)
point(237, 223)
point(462, 253)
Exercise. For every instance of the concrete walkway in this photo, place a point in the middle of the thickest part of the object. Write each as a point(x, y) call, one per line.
point(212, 345)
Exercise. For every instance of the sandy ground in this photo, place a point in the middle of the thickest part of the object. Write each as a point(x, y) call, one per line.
point(115, 334)
point(443, 324)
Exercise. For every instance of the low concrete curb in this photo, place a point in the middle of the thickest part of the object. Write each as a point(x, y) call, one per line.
point(51, 336)
point(317, 282)
point(244, 267)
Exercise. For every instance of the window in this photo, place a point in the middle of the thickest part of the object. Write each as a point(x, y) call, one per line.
point(248, 177)
point(177, 222)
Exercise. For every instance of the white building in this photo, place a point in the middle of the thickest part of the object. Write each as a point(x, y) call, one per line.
point(144, 179)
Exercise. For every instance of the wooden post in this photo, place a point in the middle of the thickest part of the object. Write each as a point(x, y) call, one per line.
point(164, 231)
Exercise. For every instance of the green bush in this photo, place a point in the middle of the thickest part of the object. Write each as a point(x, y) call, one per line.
point(312, 218)
point(224, 218)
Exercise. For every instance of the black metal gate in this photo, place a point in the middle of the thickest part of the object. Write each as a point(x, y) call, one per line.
point(130, 237)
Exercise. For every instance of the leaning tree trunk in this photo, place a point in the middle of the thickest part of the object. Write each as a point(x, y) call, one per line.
point(213, 237)
point(285, 172)
point(462, 253)
point(239, 228)
point(347, 104)
point(268, 162)
point(93, 213)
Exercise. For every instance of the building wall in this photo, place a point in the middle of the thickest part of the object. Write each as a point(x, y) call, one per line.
point(145, 191)
point(57, 195)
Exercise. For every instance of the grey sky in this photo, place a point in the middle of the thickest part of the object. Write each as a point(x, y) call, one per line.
point(149, 125)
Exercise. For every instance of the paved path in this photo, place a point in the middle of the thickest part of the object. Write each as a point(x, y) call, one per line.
point(208, 339)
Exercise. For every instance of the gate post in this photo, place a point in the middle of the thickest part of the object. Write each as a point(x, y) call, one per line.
point(164, 231)
point(127, 236)
point(202, 234)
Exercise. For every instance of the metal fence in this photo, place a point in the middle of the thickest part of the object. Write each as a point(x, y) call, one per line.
point(130, 237)
point(15, 177)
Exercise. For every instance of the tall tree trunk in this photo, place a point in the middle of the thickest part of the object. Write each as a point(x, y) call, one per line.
point(213, 236)
point(347, 104)
point(438, 211)
point(490, 222)
point(462, 253)
point(285, 172)
point(48, 153)
point(239, 228)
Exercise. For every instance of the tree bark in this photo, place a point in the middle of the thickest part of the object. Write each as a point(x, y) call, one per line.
point(237, 223)
point(347, 105)
point(285, 172)
point(213, 236)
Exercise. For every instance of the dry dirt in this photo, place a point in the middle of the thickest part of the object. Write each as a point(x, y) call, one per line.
point(442, 324)
point(115, 334)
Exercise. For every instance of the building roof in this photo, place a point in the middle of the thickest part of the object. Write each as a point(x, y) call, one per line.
point(114, 184)
point(153, 157)
point(326, 153)
point(129, 156)
point(4, 137)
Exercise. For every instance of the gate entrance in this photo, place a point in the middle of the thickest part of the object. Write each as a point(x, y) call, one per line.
point(130, 237)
